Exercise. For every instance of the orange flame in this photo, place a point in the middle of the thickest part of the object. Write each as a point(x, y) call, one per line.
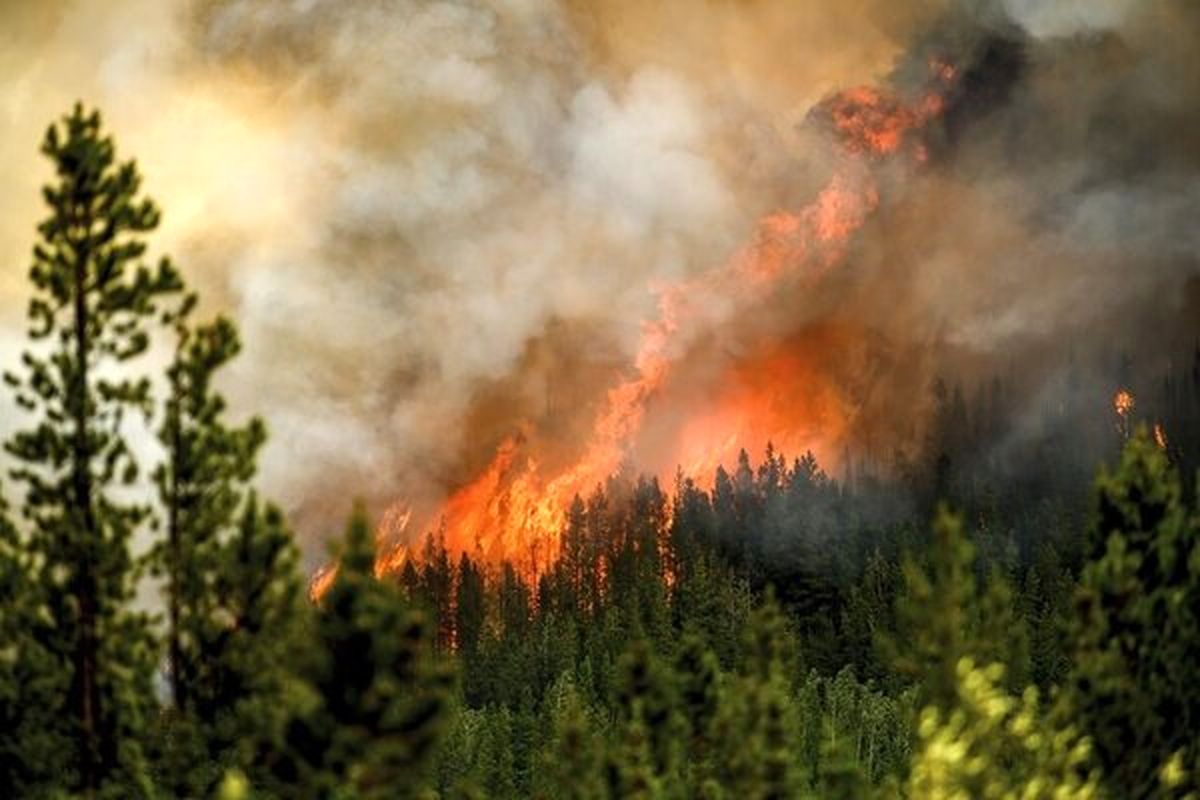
point(779, 397)
point(1123, 403)
point(1160, 436)
point(320, 581)
point(513, 512)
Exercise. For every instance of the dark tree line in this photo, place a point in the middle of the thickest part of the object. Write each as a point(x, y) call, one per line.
point(778, 634)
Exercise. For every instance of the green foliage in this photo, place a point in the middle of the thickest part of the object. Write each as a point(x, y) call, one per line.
point(1001, 634)
point(700, 696)
point(933, 613)
point(240, 694)
point(651, 660)
point(757, 723)
point(32, 683)
point(647, 757)
point(88, 319)
point(993, 746)
point(572, 765)
point(376, 701)
point(200, 484)
point(232, 587)
point(1136, 637)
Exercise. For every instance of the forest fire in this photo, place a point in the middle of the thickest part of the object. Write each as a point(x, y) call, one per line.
point(513, 509)
point(1123, 404)
point(668, 358)
point(780, 398)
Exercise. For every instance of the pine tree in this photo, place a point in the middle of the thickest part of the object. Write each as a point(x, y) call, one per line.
point(840, 777)
point(1046, 596)
point(32, 742)
point(933, 613)
point(572, 561)
point(496, 755)
point(571, 764)
point(221, 609)
point(757, 726)
point(994, 746)
point(469, 610)
point(437, 587)
point(201, 484)
point(1136, 636)
point(1001, 634)
point(869, 613)
point(377, 703)
point(256, 612)
point(650, 735)
point(699, 678)
point(93, 299)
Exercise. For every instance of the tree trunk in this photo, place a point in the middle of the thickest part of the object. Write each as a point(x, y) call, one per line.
point(85, 589)
point(174, 551)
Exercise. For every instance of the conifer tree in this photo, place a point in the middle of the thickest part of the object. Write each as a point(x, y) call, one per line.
point(239, 692)
point(496, 755)
point(32, 744)
point(1136, 635)
point(757, 725)
point(469, 611)
point(572, 562)
point(572, 763)
point(933, 613)
point(201, 484)
point(231, 584)
point(93, 297)
point(437, 587)
point(650, 735)
point(700, 699)
point(1001, 633)
point(994, 746)
point(376, 702)
point(869, 613)
point(839, 777)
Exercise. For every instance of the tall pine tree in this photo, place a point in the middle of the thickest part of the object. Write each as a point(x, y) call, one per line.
point(93, 297)
point(201, 483)
point(232, 588)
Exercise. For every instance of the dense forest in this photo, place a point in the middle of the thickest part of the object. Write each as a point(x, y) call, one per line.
point(968, 622)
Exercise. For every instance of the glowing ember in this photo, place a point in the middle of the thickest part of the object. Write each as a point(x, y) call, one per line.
point(320, 582)
point(1160, 436)
point(1123, 403)
point(513, 512)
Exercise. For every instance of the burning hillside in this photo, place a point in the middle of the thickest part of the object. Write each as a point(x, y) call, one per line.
point(777, 392)
point(485, 254)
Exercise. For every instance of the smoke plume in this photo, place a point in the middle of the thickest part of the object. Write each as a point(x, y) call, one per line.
point(442, 225)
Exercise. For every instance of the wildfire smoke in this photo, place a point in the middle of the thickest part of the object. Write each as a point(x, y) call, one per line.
point(513, 511)
point(483, 254)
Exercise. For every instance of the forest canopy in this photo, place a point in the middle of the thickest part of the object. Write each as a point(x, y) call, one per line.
point(957, 628)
